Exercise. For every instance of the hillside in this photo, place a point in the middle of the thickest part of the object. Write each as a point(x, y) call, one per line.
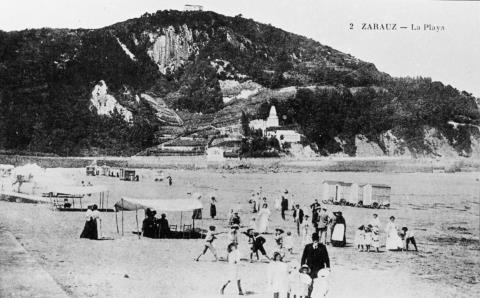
point(118, 89)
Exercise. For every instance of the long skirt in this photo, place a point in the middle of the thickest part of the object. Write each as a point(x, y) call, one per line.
point(90, 230)
point(213, 211)
point(197, 214)
point(394, 242)
point(338, 235)
point(262, 223)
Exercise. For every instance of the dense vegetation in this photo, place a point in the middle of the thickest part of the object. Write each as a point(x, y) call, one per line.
point(47, 75)
point(406, 107)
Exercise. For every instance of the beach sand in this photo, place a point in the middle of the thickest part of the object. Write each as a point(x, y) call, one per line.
point(442, 210)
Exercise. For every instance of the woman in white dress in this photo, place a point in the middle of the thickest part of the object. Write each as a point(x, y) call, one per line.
point(262, 220)
point(306, 231)
point(394, 242)
point(278, 203)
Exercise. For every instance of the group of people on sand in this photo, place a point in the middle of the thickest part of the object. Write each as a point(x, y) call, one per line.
point(304, 279)
point(367, 237)
point(153, 227)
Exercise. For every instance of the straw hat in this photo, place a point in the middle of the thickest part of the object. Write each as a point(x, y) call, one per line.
point(323, 272)
point(305, 267)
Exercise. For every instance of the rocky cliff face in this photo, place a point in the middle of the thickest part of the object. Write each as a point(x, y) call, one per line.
point(171, 47)
point(106, 104)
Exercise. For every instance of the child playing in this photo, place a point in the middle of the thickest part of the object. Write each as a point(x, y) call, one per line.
point(360, 238)
point(368, 238)
point(376, 239)
point(209, 238)
point(279, 238)
point(409, 238)
point(234, 263)
point(288, 242)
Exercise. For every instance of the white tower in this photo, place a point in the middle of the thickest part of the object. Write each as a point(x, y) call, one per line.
point(272, 119)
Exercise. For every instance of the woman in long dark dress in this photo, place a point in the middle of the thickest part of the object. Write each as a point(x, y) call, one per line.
point(90, 229)
point(339, 230)
point(213, 208)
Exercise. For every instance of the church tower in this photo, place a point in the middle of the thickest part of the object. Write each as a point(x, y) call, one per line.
point(272, 119)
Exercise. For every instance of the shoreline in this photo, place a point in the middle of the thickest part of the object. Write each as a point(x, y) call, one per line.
point(321, 164)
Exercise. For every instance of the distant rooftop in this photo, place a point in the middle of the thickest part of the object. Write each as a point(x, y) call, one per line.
point(190, 7)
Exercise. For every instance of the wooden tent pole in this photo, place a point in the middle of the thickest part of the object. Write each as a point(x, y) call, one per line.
point(181, 217)
point(136, 217)
point(108, 194)
point(122, 216)
point(116, 221)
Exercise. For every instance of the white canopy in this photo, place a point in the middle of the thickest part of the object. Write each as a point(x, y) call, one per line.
point(130, 204)
point(76, 190)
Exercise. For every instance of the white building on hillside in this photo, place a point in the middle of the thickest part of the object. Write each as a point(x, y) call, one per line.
point(272, 121)
point(189, 7)
point(271, 128)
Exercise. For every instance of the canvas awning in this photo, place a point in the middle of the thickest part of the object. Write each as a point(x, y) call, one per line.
point(76, 190)
point(131, 204)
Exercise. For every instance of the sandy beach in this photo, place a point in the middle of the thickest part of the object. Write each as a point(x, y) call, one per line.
point(442, 209)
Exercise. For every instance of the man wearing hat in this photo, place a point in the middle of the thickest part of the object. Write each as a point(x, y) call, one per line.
point(322, 226)
point(315, 255)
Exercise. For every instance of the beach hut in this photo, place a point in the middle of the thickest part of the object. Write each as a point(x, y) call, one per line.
point(105, 170)
point(376, 195)
point(6, 170)
point(127, 175)
point(76, 198)
point(356, 194)
point(90, 170)
point(160, 205)
point(336, 192)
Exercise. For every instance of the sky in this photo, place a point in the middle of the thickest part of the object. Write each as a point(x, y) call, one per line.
point(451, 56)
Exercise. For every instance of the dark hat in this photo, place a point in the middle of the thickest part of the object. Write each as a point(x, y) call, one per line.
point(315, 237)
point(235, 226)
point(280, 230)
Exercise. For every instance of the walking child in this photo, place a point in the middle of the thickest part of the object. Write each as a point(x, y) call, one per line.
point(368, 238)
point(360, 238)
point(288, 242)
point(234, 263)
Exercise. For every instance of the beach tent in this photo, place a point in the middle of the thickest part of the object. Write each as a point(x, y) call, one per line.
point(56, 192)
point(175, 205)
